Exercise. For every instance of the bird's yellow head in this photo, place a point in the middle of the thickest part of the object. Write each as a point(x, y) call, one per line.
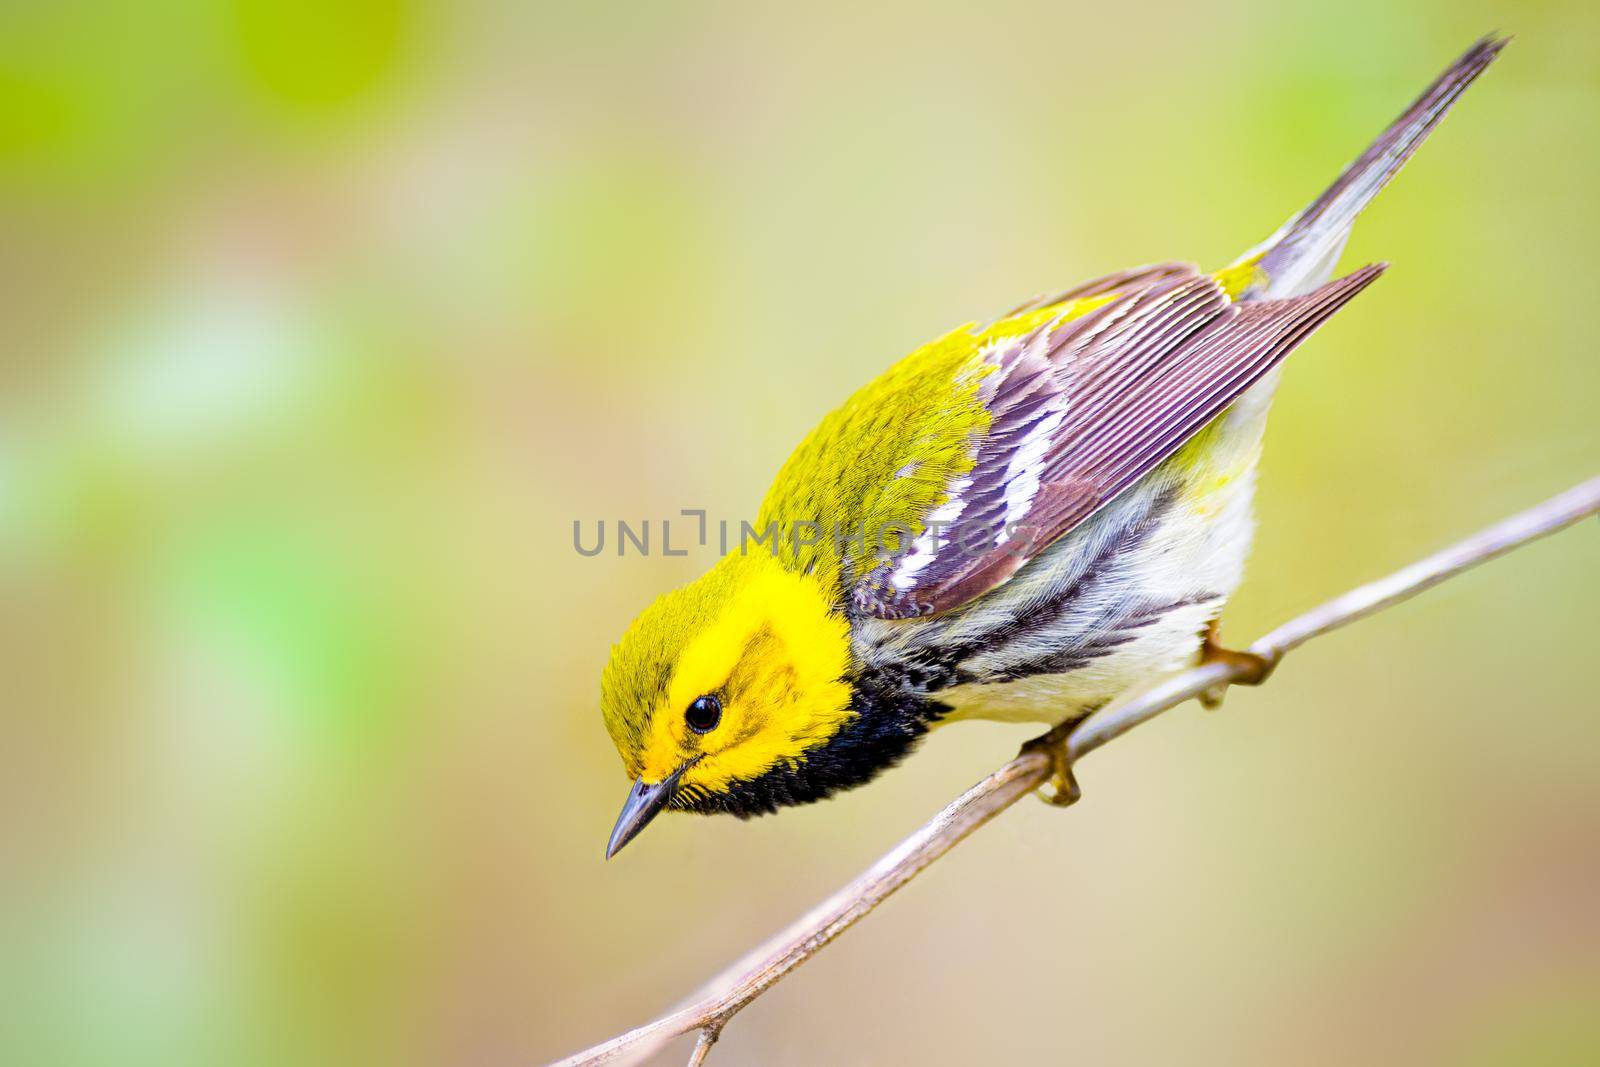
point(733, 694)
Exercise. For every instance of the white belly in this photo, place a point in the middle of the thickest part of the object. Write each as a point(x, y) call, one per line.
point(1189, 558)
point(1139, 613)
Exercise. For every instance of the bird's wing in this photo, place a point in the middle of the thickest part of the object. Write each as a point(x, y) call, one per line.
point(881, 464)
point(1080, 407)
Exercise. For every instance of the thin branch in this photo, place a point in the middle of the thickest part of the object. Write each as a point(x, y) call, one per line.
point(702, 1046)
point(725, 996)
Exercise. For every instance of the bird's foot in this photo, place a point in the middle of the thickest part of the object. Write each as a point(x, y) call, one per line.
point(1252, 669)
point(1063, 787)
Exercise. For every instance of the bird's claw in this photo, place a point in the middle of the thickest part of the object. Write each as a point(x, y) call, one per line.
point(1249, 667)
point(1062, 790)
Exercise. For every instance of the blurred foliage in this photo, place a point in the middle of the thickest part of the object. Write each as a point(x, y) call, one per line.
point(325, 321)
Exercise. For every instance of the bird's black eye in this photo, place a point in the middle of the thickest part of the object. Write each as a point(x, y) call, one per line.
point(704, 714)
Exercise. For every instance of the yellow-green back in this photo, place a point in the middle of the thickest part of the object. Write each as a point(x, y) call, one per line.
point(875, 467)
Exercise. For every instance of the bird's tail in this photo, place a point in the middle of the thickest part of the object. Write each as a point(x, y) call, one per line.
point(1302, 254)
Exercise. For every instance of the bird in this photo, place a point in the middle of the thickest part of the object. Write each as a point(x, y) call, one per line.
point(1021, 521)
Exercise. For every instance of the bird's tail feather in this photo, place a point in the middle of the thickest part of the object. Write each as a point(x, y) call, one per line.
point(1302, 254)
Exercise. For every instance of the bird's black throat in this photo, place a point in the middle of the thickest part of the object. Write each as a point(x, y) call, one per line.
point(888, 722)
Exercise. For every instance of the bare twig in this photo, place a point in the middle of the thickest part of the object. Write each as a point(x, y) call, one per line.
point(725, 996)
point(702, 1046)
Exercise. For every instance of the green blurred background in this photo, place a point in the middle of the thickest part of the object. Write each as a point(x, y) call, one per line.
point(323, 322)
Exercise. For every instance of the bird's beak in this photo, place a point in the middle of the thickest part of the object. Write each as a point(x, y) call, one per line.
point(645, 801)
